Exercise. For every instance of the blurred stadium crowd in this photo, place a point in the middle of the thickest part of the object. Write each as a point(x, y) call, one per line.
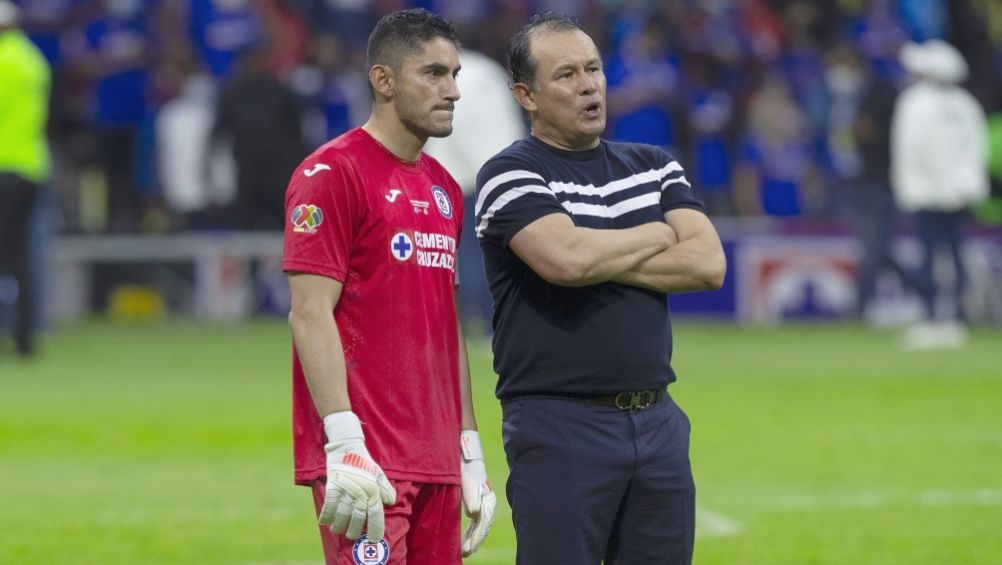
point(191, 114)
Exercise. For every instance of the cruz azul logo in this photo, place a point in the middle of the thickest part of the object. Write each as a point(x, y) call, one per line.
point(442, 201)
point(366, 552)
point(401, 246)
point(433, 250)
point(306, 218)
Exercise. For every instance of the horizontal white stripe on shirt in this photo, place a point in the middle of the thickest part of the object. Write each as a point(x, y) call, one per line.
point(507, 197)
point(497, 181)
point(616, 210)
point(679, 180)
point(579, 208)
point(616, 185)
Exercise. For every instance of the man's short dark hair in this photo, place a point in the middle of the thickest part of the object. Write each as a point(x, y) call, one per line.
point(402, 33)
point(520, 62)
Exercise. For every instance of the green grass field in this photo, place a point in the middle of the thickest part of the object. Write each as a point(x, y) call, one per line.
point(170, 443)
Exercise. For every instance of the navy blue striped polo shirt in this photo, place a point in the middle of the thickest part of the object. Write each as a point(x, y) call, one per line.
point(584, 341)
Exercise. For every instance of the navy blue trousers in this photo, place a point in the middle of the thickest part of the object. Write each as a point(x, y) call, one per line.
point(877, 218)
point(942, 229)
point(590, 484)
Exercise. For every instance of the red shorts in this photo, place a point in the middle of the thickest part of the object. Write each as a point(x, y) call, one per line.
point(422, 528)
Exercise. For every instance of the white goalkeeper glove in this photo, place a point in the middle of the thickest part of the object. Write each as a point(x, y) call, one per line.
point(357, 489)
point(479, 499)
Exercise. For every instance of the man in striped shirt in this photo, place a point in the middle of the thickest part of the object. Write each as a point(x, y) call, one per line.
point(583, 239)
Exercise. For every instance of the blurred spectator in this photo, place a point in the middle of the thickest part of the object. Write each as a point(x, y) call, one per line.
point(710, 119)
point(939, 168)
point(802, 64)
point(506, 19)
point(351, 20)
point(46, 23)
point(112, 50)
point(642, 83)
point(285, 33)
point(926, 19)
point(859, 142)
point(336, 92)
point(760, 31)
point(777, 175)
point(848, 81)
point(465, 15)
point(197, 177)
point(24, 160)
point(262, 118)
point(221, 29)
point(879, 35)
point(487, 120)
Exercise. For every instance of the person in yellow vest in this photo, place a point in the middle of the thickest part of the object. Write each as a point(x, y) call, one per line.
point(24, 159)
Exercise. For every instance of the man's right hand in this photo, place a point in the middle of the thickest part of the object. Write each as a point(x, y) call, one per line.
point(357, 488)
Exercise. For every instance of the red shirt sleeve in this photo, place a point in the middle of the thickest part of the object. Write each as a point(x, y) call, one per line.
point(323, 206)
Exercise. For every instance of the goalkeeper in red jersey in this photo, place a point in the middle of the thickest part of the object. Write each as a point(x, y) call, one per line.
point(383, 423)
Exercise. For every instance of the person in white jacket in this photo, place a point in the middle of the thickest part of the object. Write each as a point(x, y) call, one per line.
point(939, 168)
point(487, 120)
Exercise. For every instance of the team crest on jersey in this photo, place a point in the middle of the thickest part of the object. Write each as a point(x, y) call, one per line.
point(442, 201)
point(306, 218)
point(366, 552)
point(401, 246)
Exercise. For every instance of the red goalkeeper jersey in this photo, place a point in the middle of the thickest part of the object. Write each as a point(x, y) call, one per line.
point(388, 230)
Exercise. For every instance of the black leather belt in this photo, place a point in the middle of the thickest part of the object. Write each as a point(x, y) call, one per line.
point(630, 400)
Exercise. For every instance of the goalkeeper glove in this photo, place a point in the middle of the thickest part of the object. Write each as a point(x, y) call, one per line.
point(479, 499)
point(357, 489)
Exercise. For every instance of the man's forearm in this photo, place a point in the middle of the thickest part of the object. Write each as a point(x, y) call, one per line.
point(318, 344)
point(465, 386)
point(694, 264)
point(627, 250)
point(597, 256)
point(567, 255)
